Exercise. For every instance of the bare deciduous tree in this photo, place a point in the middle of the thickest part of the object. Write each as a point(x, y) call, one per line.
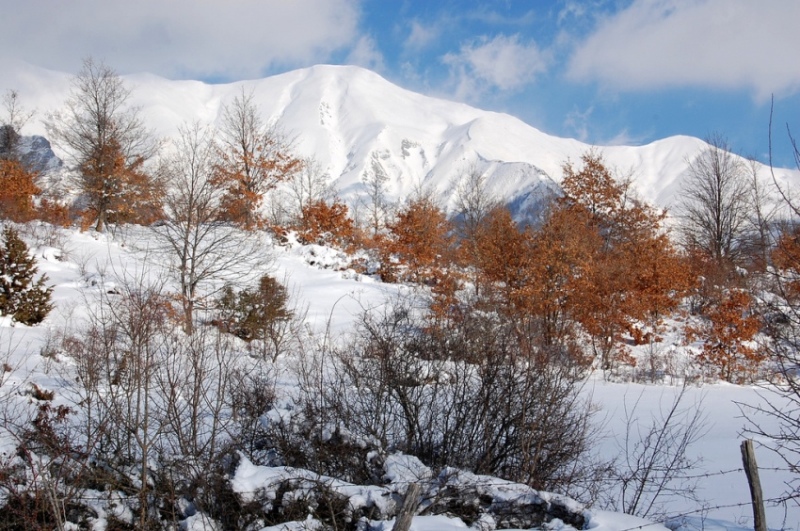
point(11, 124)
point(763, 216)
point(155, 403)
point(308, 186)
point(775, 420)
point(716, 203)
point(375, 185)
point(655, 464)
point(471, 393)
point(473, 202)
point(204, 251)
point(117, 360)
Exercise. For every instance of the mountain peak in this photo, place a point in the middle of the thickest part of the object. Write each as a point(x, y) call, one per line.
point(352, 121)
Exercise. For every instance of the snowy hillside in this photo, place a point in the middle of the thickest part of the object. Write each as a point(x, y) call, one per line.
point(333, 301)
point(352, 121)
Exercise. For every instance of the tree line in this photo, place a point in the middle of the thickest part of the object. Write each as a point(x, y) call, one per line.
point(601, 263)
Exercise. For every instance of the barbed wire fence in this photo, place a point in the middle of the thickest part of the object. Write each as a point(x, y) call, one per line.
point(441, 480)
point(400, 488)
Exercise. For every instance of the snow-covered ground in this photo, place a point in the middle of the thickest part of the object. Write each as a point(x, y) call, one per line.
point(79, 264)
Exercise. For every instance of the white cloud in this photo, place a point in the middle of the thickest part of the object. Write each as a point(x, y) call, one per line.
point(622, 138)
point(421, 35)
point(366, 54)
point(577, 122)
point(178, 38)
point(502, 62)
point(725, 44)
point(571, 10)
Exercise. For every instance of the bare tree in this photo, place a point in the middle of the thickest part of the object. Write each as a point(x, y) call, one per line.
point(154, 402)
point(117, 360)
point(432, 391)
point(764, 213)
point(375, 182)
point(781, 308)
point(107, 143)
point(193, 383)
point(715, 203)
point(307, 186)
point(472, 202)
point(204, 251)
point(11, 124)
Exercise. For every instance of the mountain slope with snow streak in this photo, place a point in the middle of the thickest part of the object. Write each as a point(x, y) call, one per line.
point(353, 122)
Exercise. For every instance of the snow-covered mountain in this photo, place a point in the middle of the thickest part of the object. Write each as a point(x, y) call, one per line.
point(352, 121)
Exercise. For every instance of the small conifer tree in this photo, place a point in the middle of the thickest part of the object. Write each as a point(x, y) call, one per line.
point(254, 314)
point(25, 299)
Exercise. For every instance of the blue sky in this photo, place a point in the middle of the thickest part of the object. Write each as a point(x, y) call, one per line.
point(602, 71)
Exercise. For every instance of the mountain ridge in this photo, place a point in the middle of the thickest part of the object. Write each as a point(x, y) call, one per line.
point(353, 121)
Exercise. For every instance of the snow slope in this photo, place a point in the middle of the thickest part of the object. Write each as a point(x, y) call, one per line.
point(352, 121)
point(333, 300)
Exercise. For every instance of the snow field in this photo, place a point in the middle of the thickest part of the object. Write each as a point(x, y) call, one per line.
point(332, 300)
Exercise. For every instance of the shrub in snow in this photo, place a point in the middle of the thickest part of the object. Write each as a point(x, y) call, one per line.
point(260, 314)
point(469, 392)
point(327, 224)
point(25, 299)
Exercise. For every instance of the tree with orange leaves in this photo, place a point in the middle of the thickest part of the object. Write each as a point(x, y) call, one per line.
point(252, 159)
point(533, 277)
point(728, 337)
point(17, 189)
point(594, 189)
point(634, 274)
point(501, 253)
point(119, 190)
point(661, 279)
point(786, 258)
point(17, 179)
point(326, 224)
point(419, 245)
point(561, 268)
point(108, 145)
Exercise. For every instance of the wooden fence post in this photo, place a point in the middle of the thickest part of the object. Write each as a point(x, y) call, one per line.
point(410, 504)
point(751, 469)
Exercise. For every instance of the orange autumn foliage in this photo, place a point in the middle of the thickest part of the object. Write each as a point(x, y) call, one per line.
point(419, 246)
point(562, 269)
point(118, 190)
point(502, 253)
point(727, 338)
point(246, 177)
point(786, 259)
point(600, 259)
point(252, 159)
point(326, 224)
point(636, 274)
point(17, 190)
point(54, 213)
point(592, 188)
point(531, 277)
